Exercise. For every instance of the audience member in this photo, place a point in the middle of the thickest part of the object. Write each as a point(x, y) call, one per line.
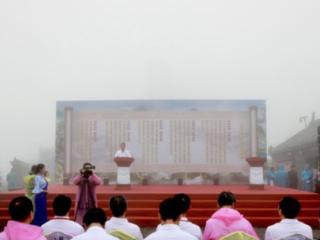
point(289, 226)
point(271, 176)
point(226, 220)
point(307, 178)
point(40, 199)
point(118, 221)
point(19, 228)
point(94, 221)
point(169, 210)
point(61, 227)
point(185, 225)
point(293, 177)
point(281, 176)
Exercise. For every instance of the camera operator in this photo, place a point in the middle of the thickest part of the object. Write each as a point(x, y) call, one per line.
point(86, 199)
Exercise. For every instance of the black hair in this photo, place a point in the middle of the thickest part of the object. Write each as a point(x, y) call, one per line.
point(39, 167)
point(290, 207)
point(85, 164)
point(118, 205)
point(20, 208)
point(169, 209)
point(184, 201)
point(61, 205)
point(94, 215)
point(226, 199)
point(33, 169)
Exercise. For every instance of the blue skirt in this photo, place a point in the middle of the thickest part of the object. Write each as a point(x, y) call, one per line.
point(40, 213)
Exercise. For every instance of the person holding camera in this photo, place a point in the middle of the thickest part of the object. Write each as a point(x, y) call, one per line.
point(86, 199)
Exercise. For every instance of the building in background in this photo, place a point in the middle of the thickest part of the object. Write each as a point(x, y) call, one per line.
point(300, 149)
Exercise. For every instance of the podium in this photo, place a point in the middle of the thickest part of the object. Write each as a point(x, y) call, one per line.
point(123, 172)
point(256, 180)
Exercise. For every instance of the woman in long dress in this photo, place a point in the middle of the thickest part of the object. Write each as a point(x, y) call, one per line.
point(307, 178)
point(40, 199)
point(86, 197)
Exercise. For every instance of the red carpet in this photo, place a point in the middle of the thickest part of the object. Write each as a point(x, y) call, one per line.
point(259, 206)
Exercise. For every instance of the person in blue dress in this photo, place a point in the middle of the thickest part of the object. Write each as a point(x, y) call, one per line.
point(40, 199)
point(307, 178)
point(281, 176)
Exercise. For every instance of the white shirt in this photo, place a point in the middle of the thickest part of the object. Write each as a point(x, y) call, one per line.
point(95, 233)
point(63, 225)
point(40, 183)
point(288, 227)
point(189, 227)
point(124, 153)
point(170, 232)
point(124, 225)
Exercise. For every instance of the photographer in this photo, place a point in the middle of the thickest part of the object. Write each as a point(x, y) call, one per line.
point(86, 197)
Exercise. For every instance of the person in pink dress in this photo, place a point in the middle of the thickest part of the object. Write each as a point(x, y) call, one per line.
point(86, 199)
point(226, 220)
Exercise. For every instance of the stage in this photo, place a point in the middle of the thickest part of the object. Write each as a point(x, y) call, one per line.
point(259, 206)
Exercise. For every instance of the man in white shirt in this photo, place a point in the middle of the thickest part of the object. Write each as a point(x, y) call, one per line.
point(122, 152)
point(118, 221)
point(94, 221)
point(289, 209)
point(61, 223)
point(185, 225)
point(170, 216)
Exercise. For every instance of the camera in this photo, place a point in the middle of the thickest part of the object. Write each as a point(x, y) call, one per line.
point(87, 169)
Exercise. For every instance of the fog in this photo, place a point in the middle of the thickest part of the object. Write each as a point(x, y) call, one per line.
point(72, 50)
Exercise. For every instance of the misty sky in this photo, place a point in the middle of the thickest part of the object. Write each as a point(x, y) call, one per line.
point(165, 49)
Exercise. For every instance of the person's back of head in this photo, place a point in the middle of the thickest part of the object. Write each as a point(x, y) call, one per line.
point(118, 206)
point(33, 170)
point(61, 205)
point(289, 207)
point(94, 216)
point(184, 202)
point(226, 199)
point(21, 209)
point(169, 210)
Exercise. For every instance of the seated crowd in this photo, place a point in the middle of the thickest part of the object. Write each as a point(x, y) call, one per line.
point(226, 223)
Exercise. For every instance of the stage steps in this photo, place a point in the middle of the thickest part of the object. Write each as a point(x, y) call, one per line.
point(260, 207)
